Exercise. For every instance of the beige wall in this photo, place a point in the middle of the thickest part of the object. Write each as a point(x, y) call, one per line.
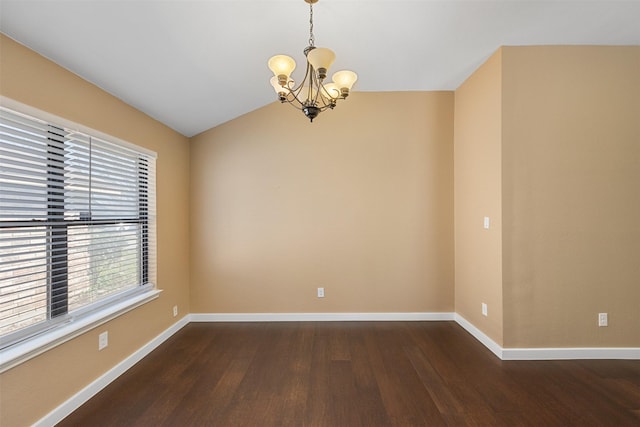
point(478, 194)
point(359, 202)
point(571, 195)
point(31, 390)
point(547, 144)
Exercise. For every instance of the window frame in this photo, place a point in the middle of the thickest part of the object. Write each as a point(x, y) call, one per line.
point(66, 326)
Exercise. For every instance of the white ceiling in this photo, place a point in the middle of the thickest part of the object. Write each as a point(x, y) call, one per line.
point(196, 64)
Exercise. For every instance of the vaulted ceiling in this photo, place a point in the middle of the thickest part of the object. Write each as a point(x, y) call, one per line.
point(196, 64)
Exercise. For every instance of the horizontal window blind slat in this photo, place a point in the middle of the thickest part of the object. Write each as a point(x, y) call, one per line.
point(44, 210)
point(16, 309)
point(13, 156)
point(34, 294)
point(5, 225)
point(28, 183)
point(21, 247)
point(16, 282)
point(17, 303)
point(14, 303)
point(37, 138)
point(25, 301)
point(18, 193)
point(18, 120)
point(32, 142)
point(43, 173)
point(26, 202)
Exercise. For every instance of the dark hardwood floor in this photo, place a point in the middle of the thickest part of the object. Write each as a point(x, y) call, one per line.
point(357, 374)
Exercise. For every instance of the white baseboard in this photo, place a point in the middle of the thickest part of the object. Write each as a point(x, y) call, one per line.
point(479, 335)
point(73, 403)
point(630, 353)
point(318, 317)
point(560, 353)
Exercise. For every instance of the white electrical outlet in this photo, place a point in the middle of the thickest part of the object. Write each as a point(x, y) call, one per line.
point(484, 309)
point(603, 319)
point(175, 310)
point(485, 223)
point(103, 340)
point(320, 292)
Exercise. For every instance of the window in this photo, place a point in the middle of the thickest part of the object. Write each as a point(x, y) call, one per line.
point(77, 224)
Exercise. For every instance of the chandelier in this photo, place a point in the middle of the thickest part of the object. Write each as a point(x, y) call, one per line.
point(312, 96)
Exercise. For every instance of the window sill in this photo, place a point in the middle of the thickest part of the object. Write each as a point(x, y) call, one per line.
point(20, 352)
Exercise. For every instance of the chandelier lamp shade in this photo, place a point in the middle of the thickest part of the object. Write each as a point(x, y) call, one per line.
point(314, 94)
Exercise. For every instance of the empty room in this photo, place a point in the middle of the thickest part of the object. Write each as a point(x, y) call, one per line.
point(444, 230)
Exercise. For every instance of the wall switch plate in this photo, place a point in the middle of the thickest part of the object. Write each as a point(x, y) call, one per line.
point(603, 319)
point(485, 223)
point(320, 292)
point(484, 309)
point(103, 340)
point(175, 310)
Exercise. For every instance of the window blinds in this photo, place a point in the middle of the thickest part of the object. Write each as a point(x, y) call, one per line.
point(77, 223)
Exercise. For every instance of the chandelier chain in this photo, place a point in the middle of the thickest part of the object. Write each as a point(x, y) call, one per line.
point(312, 39)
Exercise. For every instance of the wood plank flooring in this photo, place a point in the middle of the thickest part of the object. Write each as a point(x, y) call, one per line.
point(357, 374)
